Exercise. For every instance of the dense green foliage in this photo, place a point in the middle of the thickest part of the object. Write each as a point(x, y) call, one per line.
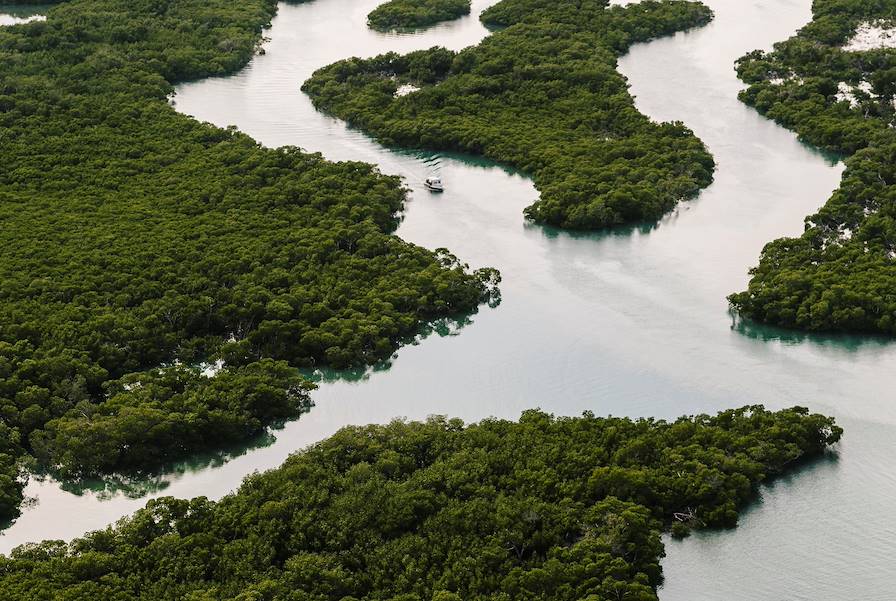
point(554, 509)
point(841, 273)
point(543, 95)
point(147, 415)
point(135, 237)
point(412, 14)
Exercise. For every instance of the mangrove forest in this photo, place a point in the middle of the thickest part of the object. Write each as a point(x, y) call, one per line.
point(138, 244)
point(413, 14)
point(834, 83)
point(550, 508)
point(542, 94)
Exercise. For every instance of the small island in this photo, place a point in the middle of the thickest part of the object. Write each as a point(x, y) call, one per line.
point(543, 95)
point(415, 14)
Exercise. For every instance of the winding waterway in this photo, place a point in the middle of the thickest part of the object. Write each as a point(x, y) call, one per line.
point(632, 322)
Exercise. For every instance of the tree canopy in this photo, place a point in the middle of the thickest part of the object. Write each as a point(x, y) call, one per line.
point(138, 242)
point(413, 14)
point(840, 275)
point(558, 509)
point(543, 95)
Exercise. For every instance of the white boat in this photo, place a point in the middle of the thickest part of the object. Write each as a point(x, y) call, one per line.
point(433, 184)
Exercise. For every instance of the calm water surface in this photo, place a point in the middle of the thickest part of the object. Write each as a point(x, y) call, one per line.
point(629, 323)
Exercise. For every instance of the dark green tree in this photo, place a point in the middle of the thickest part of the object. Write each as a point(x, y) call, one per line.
point(135, 237)
point(440, 511)
point(414, 14)
point(840, 275)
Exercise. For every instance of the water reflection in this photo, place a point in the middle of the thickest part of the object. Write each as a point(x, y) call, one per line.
point(139, 484)
point(626, 231)
point(849, 343)
point(24, 10)
point(446, 326)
